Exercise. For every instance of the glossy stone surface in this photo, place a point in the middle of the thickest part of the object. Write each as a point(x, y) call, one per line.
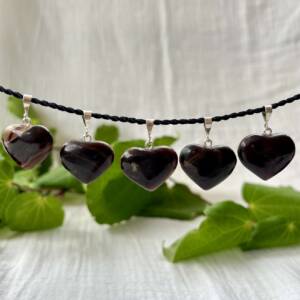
point(27, 146)
point(86, 160)
point(149, 168)
point(266, 155)
point(207, 166)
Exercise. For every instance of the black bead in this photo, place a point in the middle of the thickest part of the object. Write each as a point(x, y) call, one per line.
point(86, 160)
point(207, 166)
point(149, 168)
point(266, 155)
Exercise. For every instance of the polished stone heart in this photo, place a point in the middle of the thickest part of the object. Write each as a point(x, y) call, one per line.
point(27, 145)
point(266, 155)
point(149, 168)
point(207, 166)
point(86, 160)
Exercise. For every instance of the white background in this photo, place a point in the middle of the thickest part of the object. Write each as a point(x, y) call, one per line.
point(151, 59)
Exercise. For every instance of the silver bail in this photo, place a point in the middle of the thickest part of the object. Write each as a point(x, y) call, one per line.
point(149, 125)
point(87, 115)
point(267, 115)
point(26, 106)
point(207, 127)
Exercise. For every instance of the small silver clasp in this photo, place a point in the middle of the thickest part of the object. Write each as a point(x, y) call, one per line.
point(149, 125)
point(207, 127)
point(267, 115)
point(26, 105)
point(87, 115)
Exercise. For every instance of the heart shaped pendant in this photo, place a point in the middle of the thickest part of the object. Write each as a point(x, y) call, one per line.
point(207, 166)
point(266, 155)
point(149, 167)
point(26, 144)
point(86, 160)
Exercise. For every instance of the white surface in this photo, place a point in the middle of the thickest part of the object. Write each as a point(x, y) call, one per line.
point(151, 59)
point(83, 260)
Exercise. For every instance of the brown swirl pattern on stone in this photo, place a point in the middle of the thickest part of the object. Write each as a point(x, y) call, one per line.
point(27, 145)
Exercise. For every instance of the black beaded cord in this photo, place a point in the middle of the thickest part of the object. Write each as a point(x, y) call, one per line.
point(124, 119)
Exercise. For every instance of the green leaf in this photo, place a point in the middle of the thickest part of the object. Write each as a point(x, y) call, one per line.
point(227, 226)
point(266, 201)
point(96, 202)
point(73, 198)
point(119, 148)
point(2, 224)
point(45, 166)
point(25, 178)
point(165, 140)
point(274, 232)
point(31, 211)
point(116, 200)
point(59, 178)
point(113, 197)
point(7, 190)
point(114, 170)
point(53, 131)
point(177, 202)
point(107, 133)
point(5, 155)
point(2, 152)
point(15, 107)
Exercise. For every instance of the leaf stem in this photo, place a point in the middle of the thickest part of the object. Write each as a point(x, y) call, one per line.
point(43, 191)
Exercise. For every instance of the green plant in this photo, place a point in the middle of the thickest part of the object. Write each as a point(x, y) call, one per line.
point(33, 199)
point(271, 219)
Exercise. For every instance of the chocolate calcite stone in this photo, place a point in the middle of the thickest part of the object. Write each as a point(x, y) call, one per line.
point(86, 160)
point(149, 168)
point(207, 166)
point(266, 155)
point(27, 145)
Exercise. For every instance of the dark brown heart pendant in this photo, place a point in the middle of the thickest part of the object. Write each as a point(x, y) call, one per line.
point(207, 166)
point(149, 167)
point(86, 160)
point(27, 145)
point(266, 155)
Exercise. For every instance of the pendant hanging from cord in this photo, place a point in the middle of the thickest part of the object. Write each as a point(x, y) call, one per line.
point(207, 165)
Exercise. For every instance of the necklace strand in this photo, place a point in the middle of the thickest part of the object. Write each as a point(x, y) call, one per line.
point(80, 112)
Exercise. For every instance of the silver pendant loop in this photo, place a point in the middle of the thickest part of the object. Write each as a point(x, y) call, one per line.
point(267, 115)
point(207, 127)
point(26, 105)
point(149, 125)
point(87, 115)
